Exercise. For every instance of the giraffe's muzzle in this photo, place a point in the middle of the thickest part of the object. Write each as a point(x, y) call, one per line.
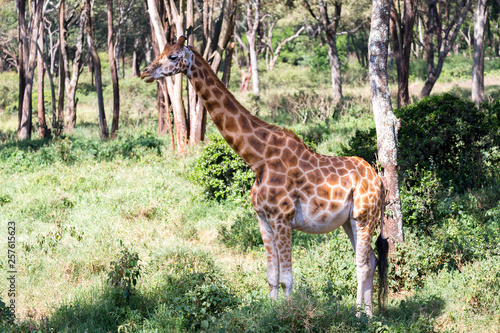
point(146, 75)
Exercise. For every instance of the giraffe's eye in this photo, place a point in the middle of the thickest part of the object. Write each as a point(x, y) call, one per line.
point(173, 57)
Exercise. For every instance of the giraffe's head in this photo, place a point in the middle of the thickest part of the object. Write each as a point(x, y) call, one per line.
point(174, 59)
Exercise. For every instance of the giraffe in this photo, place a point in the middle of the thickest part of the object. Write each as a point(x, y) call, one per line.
point(295, 188)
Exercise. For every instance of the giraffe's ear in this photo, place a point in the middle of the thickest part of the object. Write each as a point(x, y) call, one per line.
point(180, 41)
point(166, 50)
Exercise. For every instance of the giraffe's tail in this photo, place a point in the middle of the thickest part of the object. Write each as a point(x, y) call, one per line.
point(382, 251)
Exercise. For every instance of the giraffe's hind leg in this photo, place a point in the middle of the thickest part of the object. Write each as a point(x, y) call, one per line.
point(366, 263)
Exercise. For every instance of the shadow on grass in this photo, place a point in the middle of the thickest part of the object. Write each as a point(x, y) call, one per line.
point(105, 311)
point(414, 314)
point(26, 145)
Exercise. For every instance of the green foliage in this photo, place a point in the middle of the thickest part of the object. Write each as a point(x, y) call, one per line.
point(319, 61)
point(328, 269)
point(244, 232)
point(37, 154)
point(362, 144)
point(419, 202)
point(481, 286)
point(443, 134)
point(5, 315)
point(414, 260)
point(221, 172)
point(9, 91)
point(302, 312)
point(446, 134)
point(125, 272)
point(194, 289)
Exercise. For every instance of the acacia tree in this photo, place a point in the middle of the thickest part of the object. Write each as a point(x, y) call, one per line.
point(478, 58)
point(96, 63)
point(114, 71)
point(42, 123)
point(402, 22)
point(385, 121)
point(273, 54)
point(58, 124)
point(330, 26)
point(444, 19)
point(71, 83)
point(25, 108)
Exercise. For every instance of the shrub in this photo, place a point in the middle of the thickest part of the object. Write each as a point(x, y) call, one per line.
point(221, 172)
point(447, 134)
point(363, 144)
point(194, 290)
point(125, 272)
point(419, 202)
point(414, 260)
point(444, 134)
point(482, 286)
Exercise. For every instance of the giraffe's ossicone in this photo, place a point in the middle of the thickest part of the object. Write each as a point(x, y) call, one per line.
point(295, 188)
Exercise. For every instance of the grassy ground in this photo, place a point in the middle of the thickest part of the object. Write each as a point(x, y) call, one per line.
point(80, 205)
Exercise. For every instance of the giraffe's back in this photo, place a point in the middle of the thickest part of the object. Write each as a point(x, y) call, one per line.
point(318, 193)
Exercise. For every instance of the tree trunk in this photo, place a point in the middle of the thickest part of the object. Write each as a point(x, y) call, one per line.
point(63, 59)
point(478, 58)
point(180, 121)
point(402, 38)
point(331, 39)
point(25, 126)
point(97, 68)
point(172, 89)
point(192, 97)
point(253, 23)
point(445, 39)
point(21, 34)
point(274, 56)
point(226, 76)
point(52, 89)
point(135, 59)
point(114, 72)
point(42, 124)
point(385, 121)
point(72, 83)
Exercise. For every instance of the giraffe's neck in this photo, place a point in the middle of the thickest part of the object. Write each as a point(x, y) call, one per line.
point(250, 137)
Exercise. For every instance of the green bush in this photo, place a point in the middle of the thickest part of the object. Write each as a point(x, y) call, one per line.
point(125, 272)
point(194, 288)
point(328, 269)
point(419, 202)
point(447, 134)
point(414, 260)
point(221, 172)
point(444, 134)
point(363, 144)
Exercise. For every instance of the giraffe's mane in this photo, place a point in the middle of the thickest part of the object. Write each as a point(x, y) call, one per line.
point(256, 120)
point(275, 128)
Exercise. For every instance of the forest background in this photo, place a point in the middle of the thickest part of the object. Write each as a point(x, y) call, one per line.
point(147, 227)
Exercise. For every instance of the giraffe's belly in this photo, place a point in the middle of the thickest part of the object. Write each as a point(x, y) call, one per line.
point(320, 221)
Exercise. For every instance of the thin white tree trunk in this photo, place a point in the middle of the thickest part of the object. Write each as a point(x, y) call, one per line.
point(73, 82)
point(252, 38)
point(385, 121)
point(478, 58)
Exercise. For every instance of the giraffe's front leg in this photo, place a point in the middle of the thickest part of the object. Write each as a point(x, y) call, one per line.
point(283, 238)
point(272, 259)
